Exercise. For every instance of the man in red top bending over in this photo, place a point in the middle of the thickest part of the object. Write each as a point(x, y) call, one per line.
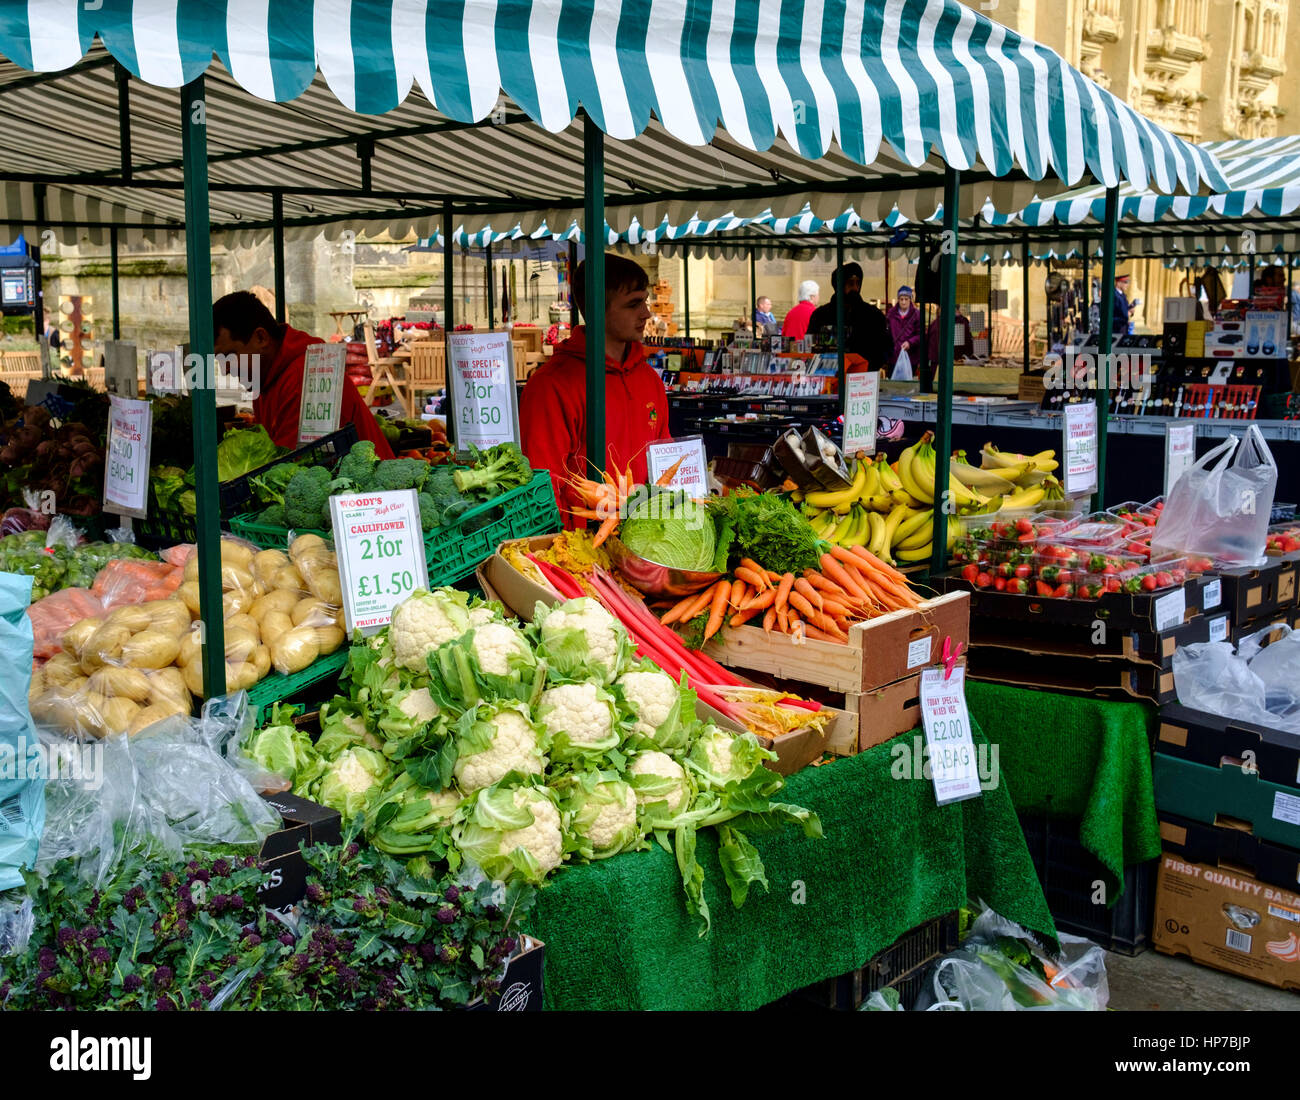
point(553, 410)
point(242, 325)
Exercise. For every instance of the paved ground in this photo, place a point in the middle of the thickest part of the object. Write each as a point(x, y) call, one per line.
point(1164, 982)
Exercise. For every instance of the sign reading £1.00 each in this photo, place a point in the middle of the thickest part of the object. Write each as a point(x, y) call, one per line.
point(1079, 457)
point(481, 383)
point(692, 474)
point(953, 766)
point(380, 551)
point(126, 469)
point(322, 391)
point(861, 406)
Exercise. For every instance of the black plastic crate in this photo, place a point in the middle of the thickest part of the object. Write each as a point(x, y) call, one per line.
point(237, 492)
point(1069, 875)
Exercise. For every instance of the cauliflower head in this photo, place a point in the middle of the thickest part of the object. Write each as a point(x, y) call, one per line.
point(661, 708)
point(604, 818)
point(493, 743)
point(351, 781)
point(720, 757)
point(408, 712)
point(498, 646)
point(580, 639)
point(481, 615)
point(514, 832)
point(580, 719)
point(657, 778)
point(424, 621)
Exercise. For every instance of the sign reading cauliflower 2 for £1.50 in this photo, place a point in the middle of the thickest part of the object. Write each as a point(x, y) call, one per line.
point(380, 554)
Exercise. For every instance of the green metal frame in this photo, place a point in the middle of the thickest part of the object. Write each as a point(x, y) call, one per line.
point(949, 253)
point(593, 314)
point(1107, 338)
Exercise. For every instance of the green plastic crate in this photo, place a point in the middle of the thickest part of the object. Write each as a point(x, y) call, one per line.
point(164, 527)
point(266, 535)
point(279, 688)
point(453, 552)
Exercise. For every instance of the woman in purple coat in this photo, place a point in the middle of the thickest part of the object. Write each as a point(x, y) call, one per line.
point(904, 324)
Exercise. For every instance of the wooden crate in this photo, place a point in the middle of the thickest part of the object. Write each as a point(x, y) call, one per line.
point(878, 652)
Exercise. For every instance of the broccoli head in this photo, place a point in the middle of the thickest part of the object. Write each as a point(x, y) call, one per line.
point(358, 465)
point(428, 513)
point(447, 499)
point(496, 470)
point(306, 496)
point(274, 516)
point(269, 487)
point(400, 473)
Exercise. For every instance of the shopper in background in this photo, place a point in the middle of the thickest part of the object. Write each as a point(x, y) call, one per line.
point(795, 325)
point(1120, 309)
point(964, 345)
point(904, 324)
point(553, 410)
point(763, 316)
point(866, 327)
point(242, 325)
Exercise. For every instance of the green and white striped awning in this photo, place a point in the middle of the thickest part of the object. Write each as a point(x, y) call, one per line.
point(736, 106)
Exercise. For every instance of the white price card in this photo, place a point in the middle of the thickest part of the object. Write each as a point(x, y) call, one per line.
point(126, 466)
point(481, 384)
point(953, 767)
point(691, 475)
point(1180, 452)
point(380, 551)
point(1079, 448)
point(918, 652)
point(322, 390)
point(861, 404)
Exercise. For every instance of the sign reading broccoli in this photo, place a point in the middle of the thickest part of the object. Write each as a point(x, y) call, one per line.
point(481, 382)
point(380, 550)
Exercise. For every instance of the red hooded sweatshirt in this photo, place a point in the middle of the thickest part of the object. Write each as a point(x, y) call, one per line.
point(553, 415)
point(278, 404)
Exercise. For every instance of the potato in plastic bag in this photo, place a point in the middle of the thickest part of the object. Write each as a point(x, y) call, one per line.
point(151, 649)
point(295, 650)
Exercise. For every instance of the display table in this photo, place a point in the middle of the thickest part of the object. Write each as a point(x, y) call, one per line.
point(618, 934)
point(1074, 757)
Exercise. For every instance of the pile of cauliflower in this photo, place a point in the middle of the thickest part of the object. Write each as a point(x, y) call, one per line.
point(467, 736)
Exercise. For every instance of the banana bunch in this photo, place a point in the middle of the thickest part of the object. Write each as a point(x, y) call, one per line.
point(889, 507)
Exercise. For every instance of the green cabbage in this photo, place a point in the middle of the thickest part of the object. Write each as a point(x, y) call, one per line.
point(671, 529)
point(243, 450)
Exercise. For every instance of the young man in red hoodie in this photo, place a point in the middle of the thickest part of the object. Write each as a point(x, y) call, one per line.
point(553, 410)
point(242, 325)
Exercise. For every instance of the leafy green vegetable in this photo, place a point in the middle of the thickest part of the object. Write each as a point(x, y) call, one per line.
point(167, 482)
point(269, 487)
point(767, 528)
point(243, 450)
point(284, 749)
point(496, 470)
point(670, 529)
point(358, 465)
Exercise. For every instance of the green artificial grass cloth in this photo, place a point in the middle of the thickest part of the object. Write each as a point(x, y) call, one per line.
point(618, 934)
point(1070, 756)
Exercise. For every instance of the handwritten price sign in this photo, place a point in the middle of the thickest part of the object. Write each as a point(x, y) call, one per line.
point(380, 554)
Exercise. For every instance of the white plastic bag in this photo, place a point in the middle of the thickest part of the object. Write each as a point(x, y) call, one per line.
point(1220, 508)
point(902, 368)
point(1257, 683)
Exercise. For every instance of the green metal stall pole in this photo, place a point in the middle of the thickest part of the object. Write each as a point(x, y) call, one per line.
point(924, 372)
point(492, 290)
point(686, 290)
point(593, 227)
point(753, 290)
point(1024, 293)
point(1290, 270)
point(203, 397)
point(448, 309)
point(1087, 288)
point(838, 291)
point(113, 283)
point(1106, 309)
point(38, 275)
point(948, 255)
point(277, 250)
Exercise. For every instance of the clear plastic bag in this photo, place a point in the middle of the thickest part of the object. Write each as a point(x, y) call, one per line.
point(62, 532)
point(1220, 508)
point(17, 922)
point(1257, 683)
point(22, 802)
point(53, 615)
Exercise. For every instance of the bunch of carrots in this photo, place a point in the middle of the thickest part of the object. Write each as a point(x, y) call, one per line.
point(604, 500)
point(851, 585)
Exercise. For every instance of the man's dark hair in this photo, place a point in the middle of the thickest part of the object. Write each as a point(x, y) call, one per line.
point(621, 275)
point(241, 314)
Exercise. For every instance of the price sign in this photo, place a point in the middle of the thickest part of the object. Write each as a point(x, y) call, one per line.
point(380, 554)
point(692, 474)
point(322, 390)
point(953, 767)
point(1080, 447)
point(126, 466)
point(862, 402)
point(1180, 452)
point(481, 383)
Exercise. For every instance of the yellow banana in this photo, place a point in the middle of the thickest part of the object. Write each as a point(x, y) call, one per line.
point(824, 524)
point(1045, 460)
point(829, 499)
point(982, 481)
point(797, 496)
point(889, 480)
point(922, 536)
point(843, 508)
point(881, 502)
point(892, 521)
point(907, 476)
point(876, 534)
point(911, 525)
point(872, 484)
point(920, 554)
point(811, 513)
point(1023, 500)
point(862, 532)
point(903, 497)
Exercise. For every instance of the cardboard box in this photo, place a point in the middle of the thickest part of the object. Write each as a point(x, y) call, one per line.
point(306, 823)
point(1215, 740)
point(879, 652)
point(519, 594)
point(1226, 846)
point(521, 988)
point(1108, 677)
point(1227, 794)
point(1248, 594)
point(1085, 641)
point(1229, 921)
point(882, 714)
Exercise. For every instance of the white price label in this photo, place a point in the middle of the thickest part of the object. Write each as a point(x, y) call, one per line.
point(1286, 807)
point(1219, 629)
point(481, 377)
point(862, 400)
point(1180, 453)
point(380, 554)
point(1080, 447)
point(918, 652)
point(691, 475)
point(953, 767)
point(1170, 609)
point(1212, 595)
point(126, 459)
point(322, 390)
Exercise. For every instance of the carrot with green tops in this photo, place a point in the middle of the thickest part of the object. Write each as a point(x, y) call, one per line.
point(842, 577)
point(816, 618)
point(742, 617)
point(718, 609)
point(698, 603)
point(769, 619)
point(757, 578)
point(754, 567)
point(783, 589)
point(809, 593)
